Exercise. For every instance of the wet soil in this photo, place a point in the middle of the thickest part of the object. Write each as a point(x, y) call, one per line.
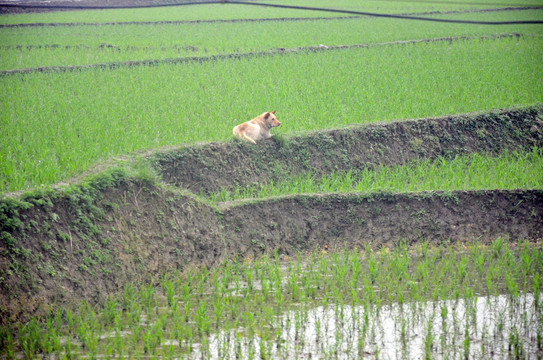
point(87, 241)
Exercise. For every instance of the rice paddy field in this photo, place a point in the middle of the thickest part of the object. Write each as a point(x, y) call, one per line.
point(423, 302)
point(470, 172)
point(75, 94)
point(87, 90)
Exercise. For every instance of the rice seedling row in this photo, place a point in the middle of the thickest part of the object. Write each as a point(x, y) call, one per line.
point(62, 46)
point(235, 56)
point(449, 301)
point(280, 19)
point(225, 11)
point(60, 124)
point(178, 22)
point(470, 172)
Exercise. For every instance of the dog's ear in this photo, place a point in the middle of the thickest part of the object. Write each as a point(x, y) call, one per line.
point(266, 115)
point(273, 112)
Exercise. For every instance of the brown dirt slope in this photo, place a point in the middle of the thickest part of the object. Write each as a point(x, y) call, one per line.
point(87, 241)
point(305, 222)
point(209, 167)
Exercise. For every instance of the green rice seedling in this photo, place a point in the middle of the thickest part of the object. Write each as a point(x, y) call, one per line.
point(371, 260)
point(128, 296)
point(168, 288)
point(83, 333)
point(466, 344)
point(511, 285)
point(110, 310)
point(265, 287)
point(52, 336)
point(30, 336)
point(91, 345)
point(202, 280)
point(248, 275)
point(449, 321)
point(429, 338)
point(218, 307)
point(159, 331)
point(149, 341)
point(147, 293)
point(134, 313)
point(480, 262)
point(444, 311)
point(168, 351)
point(7, 342)
point(461, 272)
point(539, 336)
point(526, 258)
point(515, 348)
point(490, 279)
point(536, 287)
point(68, 350)
point(202, 319)
point(86, 105)
point(469, 172)
point(237, 11)
point(498, 247)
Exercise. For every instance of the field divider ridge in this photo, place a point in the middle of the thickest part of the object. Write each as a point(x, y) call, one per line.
point(387, 217)
point(277, 51)
point(213, 167)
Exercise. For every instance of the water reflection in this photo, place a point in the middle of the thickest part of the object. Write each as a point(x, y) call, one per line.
point(476, 328)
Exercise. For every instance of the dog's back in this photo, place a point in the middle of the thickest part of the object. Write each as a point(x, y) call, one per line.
point(258, 128)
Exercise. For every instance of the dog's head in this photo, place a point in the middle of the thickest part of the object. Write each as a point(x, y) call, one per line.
point(270, 119)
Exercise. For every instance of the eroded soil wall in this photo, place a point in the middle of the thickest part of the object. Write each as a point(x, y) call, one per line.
point(70, 248)
point(209, 167)
point(62, 247)
point(306, 222)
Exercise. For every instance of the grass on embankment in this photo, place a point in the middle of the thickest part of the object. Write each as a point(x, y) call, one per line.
point(469, 172)
point(60, 124)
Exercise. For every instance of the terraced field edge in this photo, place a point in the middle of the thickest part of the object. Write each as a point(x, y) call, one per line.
point(86, 241)
point(210, 167)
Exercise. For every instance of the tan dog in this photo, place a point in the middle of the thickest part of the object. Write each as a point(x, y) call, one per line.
point(258, 128)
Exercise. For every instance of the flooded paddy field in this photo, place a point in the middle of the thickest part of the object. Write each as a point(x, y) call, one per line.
point(476, 328)
point(445, 302)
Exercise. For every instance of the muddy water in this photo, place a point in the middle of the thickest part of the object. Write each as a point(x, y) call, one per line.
point(493, 327)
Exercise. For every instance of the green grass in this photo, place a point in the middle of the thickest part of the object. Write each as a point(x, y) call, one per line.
point(233, 11)
point(352, 5)
point(56, 125)
point(269, 299)
point(469, 172)
point(65, 46)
